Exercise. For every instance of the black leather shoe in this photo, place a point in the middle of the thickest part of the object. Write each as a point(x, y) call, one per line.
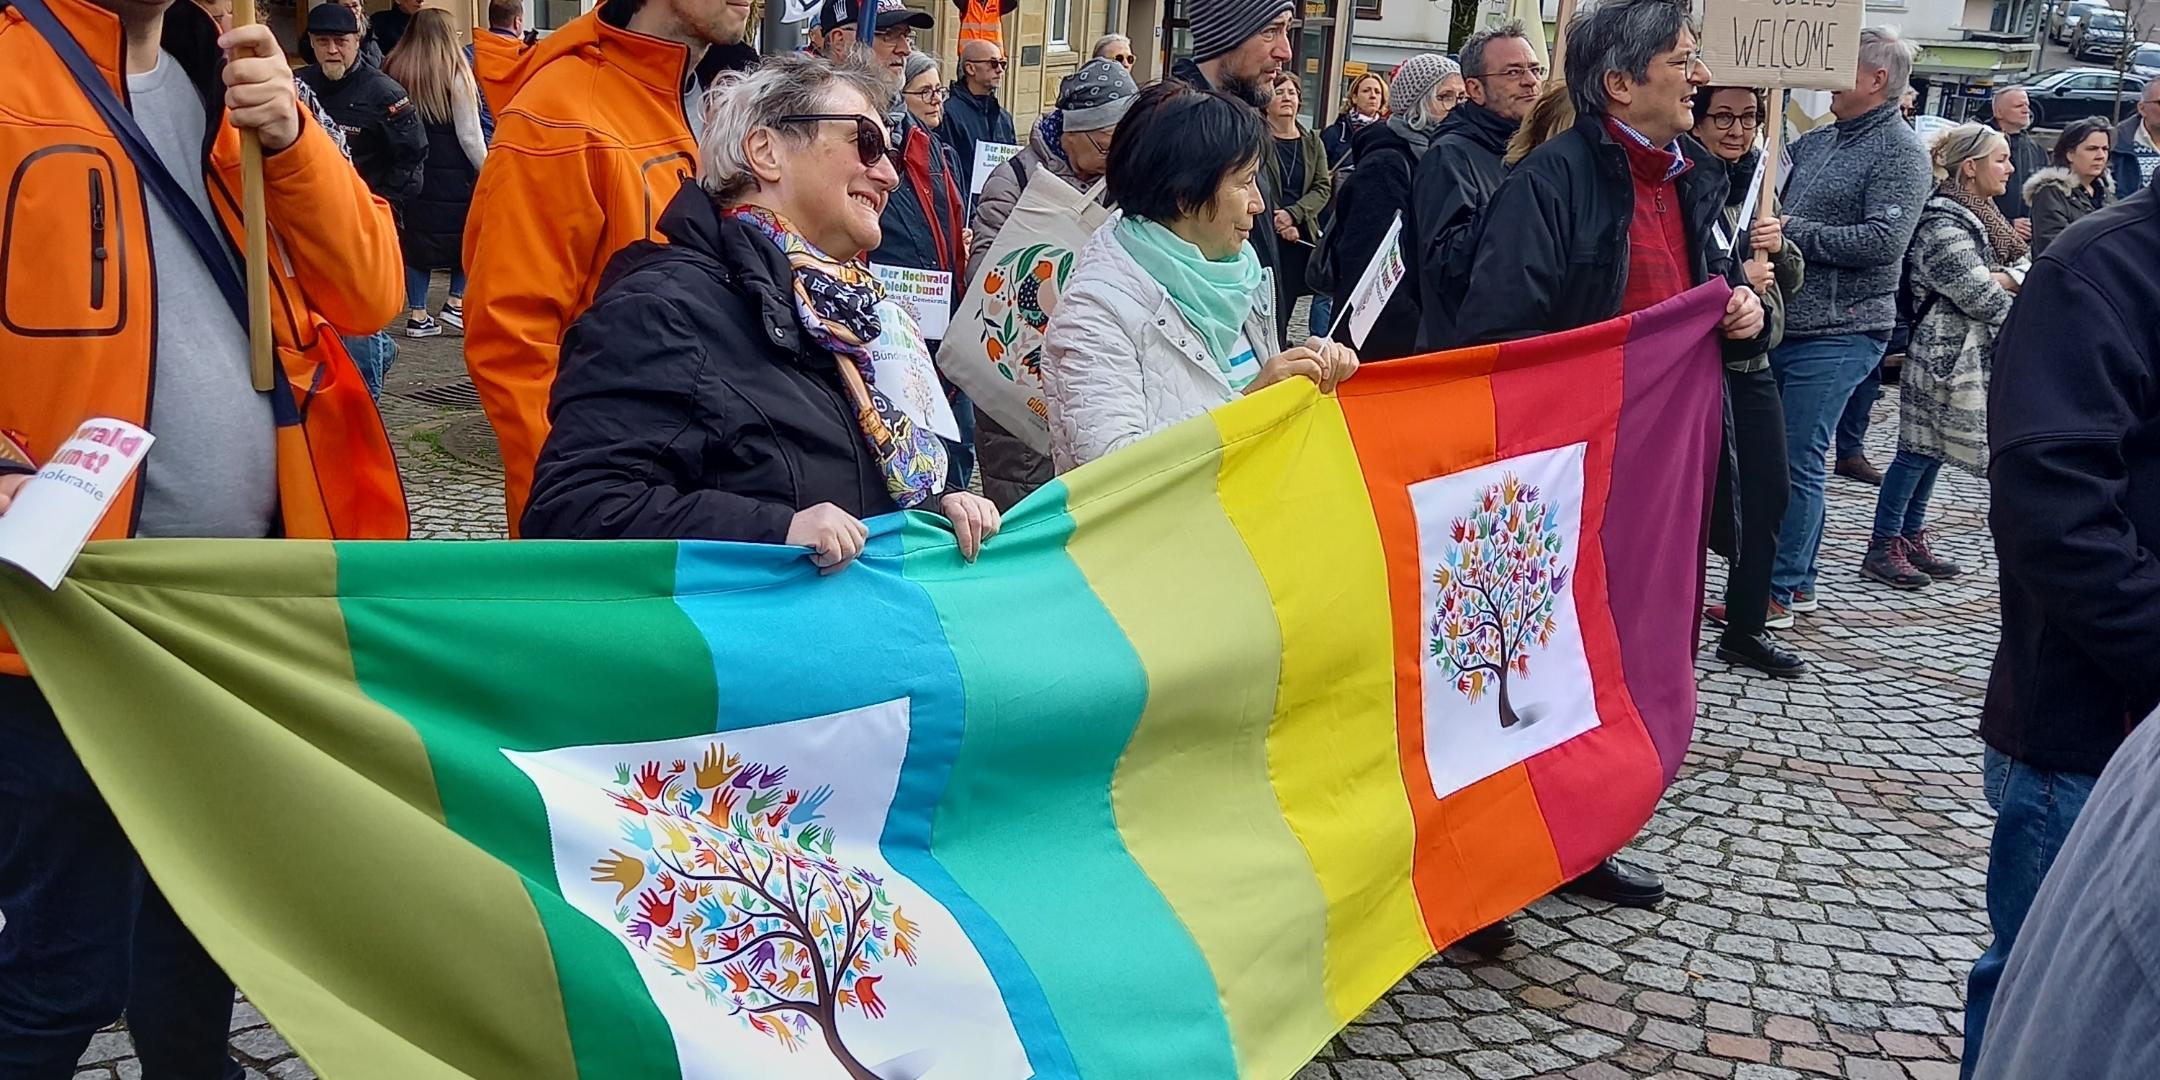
point(1491, 941)
point(1763, 653)
point(1616, 882)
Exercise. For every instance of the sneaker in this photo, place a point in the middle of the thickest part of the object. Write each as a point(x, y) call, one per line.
point(1859, 468)
point(1804, 601)
point(1886, 563)
point(453, 315)
point(1779, 618)
point(1763, 653)
point(422, 327)
point(1926, 561)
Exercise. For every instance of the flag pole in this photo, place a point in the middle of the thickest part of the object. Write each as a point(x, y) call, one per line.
point(1559, 40)
point(256, 219)
point(1773, 146)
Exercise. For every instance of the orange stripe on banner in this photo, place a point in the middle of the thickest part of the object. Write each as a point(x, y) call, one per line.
point(1412, 420)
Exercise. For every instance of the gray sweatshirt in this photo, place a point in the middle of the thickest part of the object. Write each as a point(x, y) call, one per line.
point(1853, 200)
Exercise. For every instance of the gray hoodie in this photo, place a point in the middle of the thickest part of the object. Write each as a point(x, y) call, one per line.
point(1854, 200)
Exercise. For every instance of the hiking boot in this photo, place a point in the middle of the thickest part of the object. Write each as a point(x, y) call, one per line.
point(453, 314)
point(1779, 618)
point(1858, 468)
point(1886, 563)
point(1924, 559)
point(422, 327)
point(1763, 653)
point(1804, 601)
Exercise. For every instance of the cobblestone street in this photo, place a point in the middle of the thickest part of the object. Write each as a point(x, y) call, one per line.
point(1824, 845)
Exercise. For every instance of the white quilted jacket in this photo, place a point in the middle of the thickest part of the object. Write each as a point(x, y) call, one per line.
point(1120, 362)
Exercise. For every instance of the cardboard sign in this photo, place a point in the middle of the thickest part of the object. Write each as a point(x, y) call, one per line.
point(988, 156)
point(1814, 44)
point(52, 515)
point(900, 366)
point(927, 294)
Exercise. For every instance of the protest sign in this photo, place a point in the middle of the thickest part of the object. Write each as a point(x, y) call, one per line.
point(900, 365)
point(988, 156)
point(1376, 285)
point(927, 294)
point(53, 514)
point(1783, 43)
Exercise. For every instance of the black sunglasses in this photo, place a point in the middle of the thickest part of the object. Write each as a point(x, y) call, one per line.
point(870, 142)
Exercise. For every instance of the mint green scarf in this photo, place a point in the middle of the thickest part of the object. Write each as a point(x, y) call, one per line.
point(1215, 297)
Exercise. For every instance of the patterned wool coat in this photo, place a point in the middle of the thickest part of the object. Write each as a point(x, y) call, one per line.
point(1942, 409)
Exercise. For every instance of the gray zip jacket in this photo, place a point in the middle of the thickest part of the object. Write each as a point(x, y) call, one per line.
point(1853, 201)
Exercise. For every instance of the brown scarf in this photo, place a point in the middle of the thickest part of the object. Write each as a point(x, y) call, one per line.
point(2009, 248)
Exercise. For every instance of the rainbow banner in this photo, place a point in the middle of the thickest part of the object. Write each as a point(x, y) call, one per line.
point(1219, 739)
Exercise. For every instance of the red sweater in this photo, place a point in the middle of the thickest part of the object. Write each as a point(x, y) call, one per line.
point(1657, 267)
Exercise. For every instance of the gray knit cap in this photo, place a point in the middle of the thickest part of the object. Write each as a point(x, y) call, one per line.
point(1097, 96)
point(916, 63)
point(1414, 81)
point(1219, 26)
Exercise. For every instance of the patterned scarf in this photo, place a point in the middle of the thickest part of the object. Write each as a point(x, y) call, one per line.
point(2004, 239)
point(838, 303)
point(1051, 129)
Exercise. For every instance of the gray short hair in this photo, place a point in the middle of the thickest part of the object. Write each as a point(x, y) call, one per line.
point(1107, 40)
point(1881, 49)
point(1472, 56)
point(740, 103)
point(916, 63)
point(1618, 35)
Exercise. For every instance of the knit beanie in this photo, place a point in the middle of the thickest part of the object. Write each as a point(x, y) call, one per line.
point(1413, 81)
point(1219, 26)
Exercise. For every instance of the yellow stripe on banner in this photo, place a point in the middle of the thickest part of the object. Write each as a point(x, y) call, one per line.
point(1191, 793)
point(1297, 494)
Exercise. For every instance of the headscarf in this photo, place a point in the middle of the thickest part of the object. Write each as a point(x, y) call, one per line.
point(843, 307)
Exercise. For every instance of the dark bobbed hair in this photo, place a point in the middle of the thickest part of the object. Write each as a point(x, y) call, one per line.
point(1618, 35)
point(1172, 150)
point(2075, 133)
point(1703, 96)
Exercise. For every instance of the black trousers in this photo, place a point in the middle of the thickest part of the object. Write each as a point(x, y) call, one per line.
point(1752, 488)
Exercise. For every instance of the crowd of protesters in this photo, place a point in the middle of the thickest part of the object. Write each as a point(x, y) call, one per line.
point(661, 248)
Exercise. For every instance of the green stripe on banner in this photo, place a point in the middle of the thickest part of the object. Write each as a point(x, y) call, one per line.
point(1026, 824)
point(540, 625)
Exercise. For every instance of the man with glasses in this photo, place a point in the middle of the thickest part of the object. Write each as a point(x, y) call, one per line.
point(895, 35)
point(973, 114)
point(1622, 183)
point(592, 138)
point(1501, 74)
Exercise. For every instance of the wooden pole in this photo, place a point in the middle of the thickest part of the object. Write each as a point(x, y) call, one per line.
point(1559, 39)
point(1773, 147)
point(256, 219)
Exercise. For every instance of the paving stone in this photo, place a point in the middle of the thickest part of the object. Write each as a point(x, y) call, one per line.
point(1677, 1036)
point(1437, 1037)
point(1363, 1069)
point(1738, 1047)
point(1493, 1065)
point(1728, 1018)
point(1858, 1068)
point(1791, 1029)
point(1375, 1040)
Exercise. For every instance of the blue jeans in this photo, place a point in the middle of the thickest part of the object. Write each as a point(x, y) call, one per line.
point(1901, 508)
point(1322, 315)
point(1853, 422)
point(2034, 810)
point(416, 287)
point(1815, 377)
point(88, 936)
point(373, 355)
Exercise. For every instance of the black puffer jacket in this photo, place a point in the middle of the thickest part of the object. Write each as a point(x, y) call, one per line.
point(432, 229)
point(382, 128)
point(1551, 248)
point(1457, 175)
point(691, 403)
point(1378, 188)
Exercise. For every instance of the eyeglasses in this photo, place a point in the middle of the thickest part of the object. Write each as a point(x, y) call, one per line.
point(1724, 121)
point(1447, 101)
point(897, 34)
point(929, 95)
point(995, 65)
point(870, 141)
point(1686, 63)
point(1515, 72)
point(1100, 148)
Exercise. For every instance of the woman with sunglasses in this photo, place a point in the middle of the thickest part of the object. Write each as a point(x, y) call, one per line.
point(1170, 313)
point(1753, 480)
point(747, 380)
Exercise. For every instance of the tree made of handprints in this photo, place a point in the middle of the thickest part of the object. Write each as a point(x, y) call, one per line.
point(1500, 581)
point(743, 898)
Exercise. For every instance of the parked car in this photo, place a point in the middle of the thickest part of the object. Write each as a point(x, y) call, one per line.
point(2059, 97)
point(2100, 36)
point(2063, 21)
point(2146, 60)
